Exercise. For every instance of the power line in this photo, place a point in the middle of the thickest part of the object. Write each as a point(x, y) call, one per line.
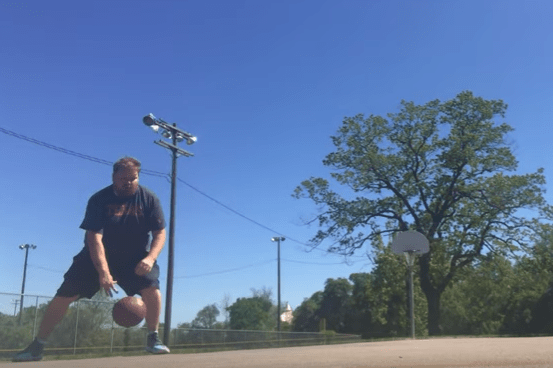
point(73, 153)
point(228, 270)
point(249, 219)
point(147, 172)
point(312, 263)
point(45, 268)
point(236, 212)
point(254, 265)
point(222, 271)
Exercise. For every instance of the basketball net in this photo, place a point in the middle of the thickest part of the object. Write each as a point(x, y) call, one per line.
point(410, 256)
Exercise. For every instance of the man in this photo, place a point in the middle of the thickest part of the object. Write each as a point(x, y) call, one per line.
point(118, 222)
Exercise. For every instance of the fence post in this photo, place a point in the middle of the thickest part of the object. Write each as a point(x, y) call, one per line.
point(112, 333)
point(76, 329)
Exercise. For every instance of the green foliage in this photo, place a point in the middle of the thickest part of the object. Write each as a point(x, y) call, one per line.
point(440, 169)
point(94, 321)
point(388, 296)
point(207, 317)
point(255, 313)
point(491, 296)
point(477, 302)
point(12, 335)
point(336, 304)
point(370, 304)
point(306, 316)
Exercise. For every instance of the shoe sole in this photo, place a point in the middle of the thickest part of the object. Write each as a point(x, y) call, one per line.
point(157, 351)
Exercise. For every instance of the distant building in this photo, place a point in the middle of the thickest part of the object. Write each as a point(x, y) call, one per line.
point(287, 316)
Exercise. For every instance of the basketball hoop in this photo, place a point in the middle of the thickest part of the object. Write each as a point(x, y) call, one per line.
point(411, 243)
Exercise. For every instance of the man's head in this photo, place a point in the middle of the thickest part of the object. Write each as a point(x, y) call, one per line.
point(125, 176)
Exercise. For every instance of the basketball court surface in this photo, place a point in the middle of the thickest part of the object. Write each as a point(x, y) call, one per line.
point(446, 352)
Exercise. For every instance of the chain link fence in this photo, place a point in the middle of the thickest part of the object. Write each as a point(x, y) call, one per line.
point(88, 328)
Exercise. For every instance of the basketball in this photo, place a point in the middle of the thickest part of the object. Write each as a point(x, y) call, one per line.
point(129, 311)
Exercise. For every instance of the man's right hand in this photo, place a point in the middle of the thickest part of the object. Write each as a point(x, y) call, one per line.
point(108, 283)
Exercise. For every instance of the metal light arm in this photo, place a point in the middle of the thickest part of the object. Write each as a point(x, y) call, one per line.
point(179, 151)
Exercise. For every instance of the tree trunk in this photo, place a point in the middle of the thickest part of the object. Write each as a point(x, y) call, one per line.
point(434, 327)
point(432, 296)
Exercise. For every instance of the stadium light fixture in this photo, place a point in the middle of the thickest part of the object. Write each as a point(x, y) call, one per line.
point(190, 140)
point(150, 121)
point(169, 130)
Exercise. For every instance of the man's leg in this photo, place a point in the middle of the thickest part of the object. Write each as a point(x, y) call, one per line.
point(54, 314)
point(81, 279)
point(152, 298)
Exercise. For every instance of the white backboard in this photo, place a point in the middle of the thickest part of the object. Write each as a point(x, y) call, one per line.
point(411, 240)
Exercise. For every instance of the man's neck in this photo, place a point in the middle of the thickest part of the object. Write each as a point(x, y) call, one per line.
point(123, 196)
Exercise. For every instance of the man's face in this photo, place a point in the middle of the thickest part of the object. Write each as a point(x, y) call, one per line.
point(125, 182)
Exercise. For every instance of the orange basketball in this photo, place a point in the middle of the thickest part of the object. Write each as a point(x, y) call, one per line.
point(129, 311)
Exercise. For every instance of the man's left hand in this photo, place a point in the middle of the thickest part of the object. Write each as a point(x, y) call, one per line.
point(144, 266)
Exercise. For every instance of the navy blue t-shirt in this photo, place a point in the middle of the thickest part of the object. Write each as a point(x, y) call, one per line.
point(125, 222)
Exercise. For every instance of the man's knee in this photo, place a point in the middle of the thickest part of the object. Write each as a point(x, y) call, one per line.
point(63, 301)
point(149, 292)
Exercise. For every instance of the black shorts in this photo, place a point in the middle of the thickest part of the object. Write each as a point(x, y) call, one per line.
point(82, 278)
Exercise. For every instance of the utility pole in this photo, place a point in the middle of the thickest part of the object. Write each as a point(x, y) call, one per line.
point(176, 135)
point(278, 239)
point(15, 302)
point(26, 247)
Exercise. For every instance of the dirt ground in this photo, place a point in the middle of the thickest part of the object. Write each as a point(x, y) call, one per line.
point(452, 352)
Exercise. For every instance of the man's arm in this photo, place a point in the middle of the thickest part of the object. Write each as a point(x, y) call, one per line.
point(98, 255)
point(158, 241)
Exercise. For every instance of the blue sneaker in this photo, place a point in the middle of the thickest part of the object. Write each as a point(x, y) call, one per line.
point(154, 344)
point(32, 353)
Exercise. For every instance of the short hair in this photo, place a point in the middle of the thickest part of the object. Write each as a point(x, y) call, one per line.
point(126, 163)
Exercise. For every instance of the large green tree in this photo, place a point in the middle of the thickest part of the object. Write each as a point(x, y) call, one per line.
point(441, 169)
point(307, 316)
point(336, 304)
point(255, 313)
point(207, 317)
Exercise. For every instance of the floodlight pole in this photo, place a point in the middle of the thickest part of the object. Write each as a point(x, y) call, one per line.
point(171, 255)
point(278, 239)
point(174, 133)
point(26, 247)
point(15, 302)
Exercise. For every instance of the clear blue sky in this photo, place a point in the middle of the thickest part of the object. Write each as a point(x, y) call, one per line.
point(263, 85)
